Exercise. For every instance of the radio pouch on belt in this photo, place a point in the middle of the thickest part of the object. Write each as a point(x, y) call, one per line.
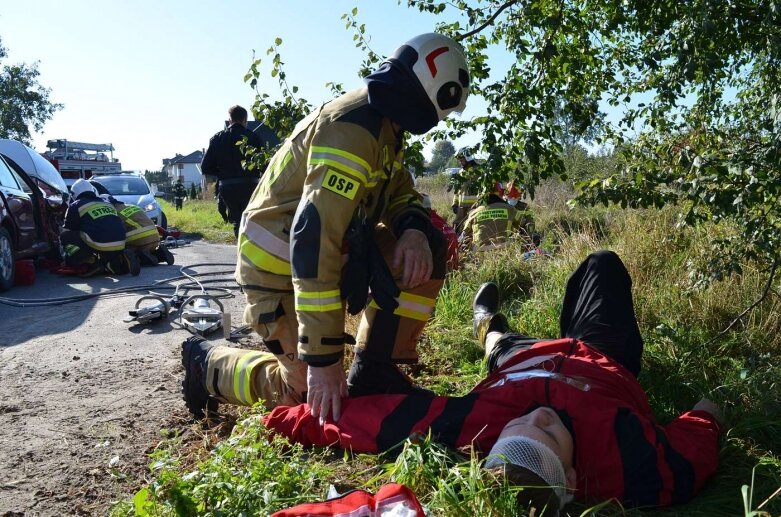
point(366, 268)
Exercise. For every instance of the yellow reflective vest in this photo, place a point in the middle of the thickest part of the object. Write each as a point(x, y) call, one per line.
point(490, 226)
point(140, 230)
point(342, 160)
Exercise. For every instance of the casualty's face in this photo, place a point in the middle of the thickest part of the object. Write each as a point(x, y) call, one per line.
point(545, 426)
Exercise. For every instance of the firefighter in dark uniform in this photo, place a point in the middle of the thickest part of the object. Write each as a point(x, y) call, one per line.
point(334, 213)
point(223, 160)
point(93, 234)
point(180, 192)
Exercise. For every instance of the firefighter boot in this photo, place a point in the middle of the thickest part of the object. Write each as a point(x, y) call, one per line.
point(164, 255)
point(124, 262)
point(194, 353)
point(147, 258)
point(371, 377)
point(91, 268)
point(484, 310)
point(133, 264)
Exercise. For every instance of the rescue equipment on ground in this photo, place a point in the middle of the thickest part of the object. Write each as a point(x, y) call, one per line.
point(171, 237)
point(198, 315)
point(149, 312)
point(24, 272)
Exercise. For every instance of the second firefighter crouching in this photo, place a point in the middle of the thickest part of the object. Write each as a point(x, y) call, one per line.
point(493, 223)
point(141, 235)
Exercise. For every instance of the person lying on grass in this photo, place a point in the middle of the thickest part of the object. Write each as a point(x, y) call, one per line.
point(567, 416)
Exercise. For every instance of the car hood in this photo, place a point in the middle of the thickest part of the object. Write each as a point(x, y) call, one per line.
point(141, 201)
point(32, 163)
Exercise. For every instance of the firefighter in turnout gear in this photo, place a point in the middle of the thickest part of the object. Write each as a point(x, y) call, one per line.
point(491, 224)
point(223, 160)
point(141, 235)
point(335, 213)
point(466, 196)
point(93, 234)
point(180, 192)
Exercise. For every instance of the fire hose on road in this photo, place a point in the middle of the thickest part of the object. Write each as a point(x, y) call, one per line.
point(197, 313)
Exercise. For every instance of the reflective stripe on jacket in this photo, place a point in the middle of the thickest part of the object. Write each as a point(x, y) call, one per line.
point(490, 226)
point(140, 230)
point(333, 167)
point(97, 223)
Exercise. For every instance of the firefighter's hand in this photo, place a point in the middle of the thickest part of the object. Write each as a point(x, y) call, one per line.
point(413, 252)
point(326, 385)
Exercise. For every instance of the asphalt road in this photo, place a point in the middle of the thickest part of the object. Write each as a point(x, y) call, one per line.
point(83, 395)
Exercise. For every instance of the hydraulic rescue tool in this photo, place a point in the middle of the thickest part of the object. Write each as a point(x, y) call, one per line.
point(198, 316)
point(147, 313)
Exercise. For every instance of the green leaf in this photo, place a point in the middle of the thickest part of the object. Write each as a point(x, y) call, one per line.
point(140, 500)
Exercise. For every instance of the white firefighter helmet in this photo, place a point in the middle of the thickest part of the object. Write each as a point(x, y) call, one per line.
point(466, 154)
point(438, 63)
point(81, 186)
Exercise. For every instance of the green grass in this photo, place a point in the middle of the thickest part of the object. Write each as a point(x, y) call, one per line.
point(251, 474)
point(199, 220)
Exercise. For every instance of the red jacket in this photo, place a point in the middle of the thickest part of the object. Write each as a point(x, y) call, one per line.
point(621, 451)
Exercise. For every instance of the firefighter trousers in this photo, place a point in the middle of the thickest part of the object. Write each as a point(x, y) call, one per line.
point(278, 377)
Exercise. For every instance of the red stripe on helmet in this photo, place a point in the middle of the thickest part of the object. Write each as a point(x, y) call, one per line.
point(432, 56)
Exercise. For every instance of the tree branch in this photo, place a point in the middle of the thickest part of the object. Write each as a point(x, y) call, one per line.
point(488, 22)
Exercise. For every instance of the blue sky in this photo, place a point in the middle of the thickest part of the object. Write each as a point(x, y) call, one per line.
point(155, 77)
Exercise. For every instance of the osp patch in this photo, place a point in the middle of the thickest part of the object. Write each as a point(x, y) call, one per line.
point(340, 184)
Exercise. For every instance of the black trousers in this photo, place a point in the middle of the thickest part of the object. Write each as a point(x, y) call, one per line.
point(235, 198)
point(597, 309)
point(80, 252)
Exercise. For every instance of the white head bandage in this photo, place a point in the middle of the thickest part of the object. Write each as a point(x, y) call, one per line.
point(534, 456)
point(426, 201)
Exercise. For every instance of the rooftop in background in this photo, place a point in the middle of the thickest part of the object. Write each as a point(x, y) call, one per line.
point(193, 157)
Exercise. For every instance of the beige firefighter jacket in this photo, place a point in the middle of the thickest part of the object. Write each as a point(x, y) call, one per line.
point(140, 230)
point(490, 226)
point(334, 166)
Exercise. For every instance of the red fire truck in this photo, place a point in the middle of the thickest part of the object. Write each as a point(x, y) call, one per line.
point(76, 160)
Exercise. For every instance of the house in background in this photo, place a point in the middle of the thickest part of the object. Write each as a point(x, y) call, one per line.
point(187, 167)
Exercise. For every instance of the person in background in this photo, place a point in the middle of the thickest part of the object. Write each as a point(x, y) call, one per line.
point(562, 418)
point(222, 208)
point(93, 235)
point(493, 222)
point(467, 195)
point(223, 160)
point(180, 192)
point(335, 214)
